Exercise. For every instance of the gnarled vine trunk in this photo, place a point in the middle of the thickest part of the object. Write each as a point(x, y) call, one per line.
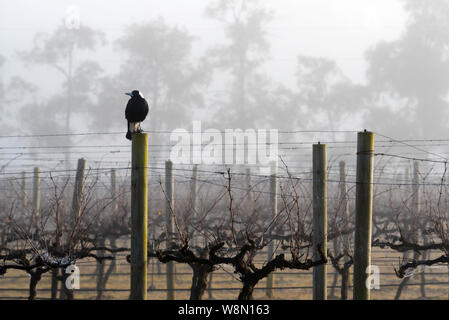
point(247, 291)
point(36, 276)
point(199, 280)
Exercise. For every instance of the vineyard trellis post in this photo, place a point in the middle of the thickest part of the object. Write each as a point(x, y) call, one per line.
point(36, 197)
point(249, 185)
point(408, 231)
point(194, 192)
point(273, 214)
point(78, 189)
point(416, 188)
point(363, 214)
point(114, 195)
point(55, 284)
point(66, 293)
point(344, 207)
point(139, 216)
point(114, 204)
point(169, 212)
point(24, 192)
point(319, 232)
point(417, 210)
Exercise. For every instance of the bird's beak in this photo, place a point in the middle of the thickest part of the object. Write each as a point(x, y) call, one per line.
point(129, 94)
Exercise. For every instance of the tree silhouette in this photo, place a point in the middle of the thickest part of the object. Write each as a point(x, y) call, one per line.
point(325, 96)
point(246, 49)
point(13, 92)
point(409, 77)
point(60, 50)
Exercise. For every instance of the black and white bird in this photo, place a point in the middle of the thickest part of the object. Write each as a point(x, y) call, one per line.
point(136, 111)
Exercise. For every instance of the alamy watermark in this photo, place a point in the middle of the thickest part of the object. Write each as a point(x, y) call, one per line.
point(72, 282)
point(373, 279)
point(231, 146)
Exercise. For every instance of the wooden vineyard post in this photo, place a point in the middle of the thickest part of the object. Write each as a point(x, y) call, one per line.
point(249, 185)
point(24, 192)
point(319, 231)
point(417, 209)
point(272, 244)
point(344, 207)
point(194, 213)
point(407, 231)
point(78, 190)
point(36, 197)
point(416, 189)
point(77, 199)
point(363, 214)
point(169, 212)
point(139, 216)
point(114, 204)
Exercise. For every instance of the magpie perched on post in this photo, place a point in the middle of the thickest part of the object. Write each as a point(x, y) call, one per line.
point(136, 111)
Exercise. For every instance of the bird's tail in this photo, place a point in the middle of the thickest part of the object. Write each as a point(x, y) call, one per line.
point(129, 133)
point(132, 128)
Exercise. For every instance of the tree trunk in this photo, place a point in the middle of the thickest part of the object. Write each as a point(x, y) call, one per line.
point(405, 280)
point(401, 287)
point(54, 284)
point(100, 271)
point(247, 291)
point(66, 293)
point(35, 278)
point(344, 284)
point(426, 255)
point(61, 289)
point(199, 280)
point(335, 280)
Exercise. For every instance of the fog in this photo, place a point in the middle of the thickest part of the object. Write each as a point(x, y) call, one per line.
point(275, 128)
point(323, 65)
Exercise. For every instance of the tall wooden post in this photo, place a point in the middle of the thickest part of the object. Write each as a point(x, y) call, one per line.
point(363, 217)
point(36, 196)
point(169, 212)
point(78, 190)
point(24, 192)
point(139, 216)
point(338, 243)
point(194, 193)
point(249, 185)
point(409, 189)
point(417, 210)
point(114, 205)
point(319, 232)
point(65, 292)
point(54, 284)
point(416, 189)
point(272, 244)
point(344, 207)
point(407, 229)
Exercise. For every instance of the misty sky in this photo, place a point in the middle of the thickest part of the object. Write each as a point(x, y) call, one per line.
point(341, 30)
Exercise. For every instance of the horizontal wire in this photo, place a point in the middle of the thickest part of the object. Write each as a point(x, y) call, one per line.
point(157, 131)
